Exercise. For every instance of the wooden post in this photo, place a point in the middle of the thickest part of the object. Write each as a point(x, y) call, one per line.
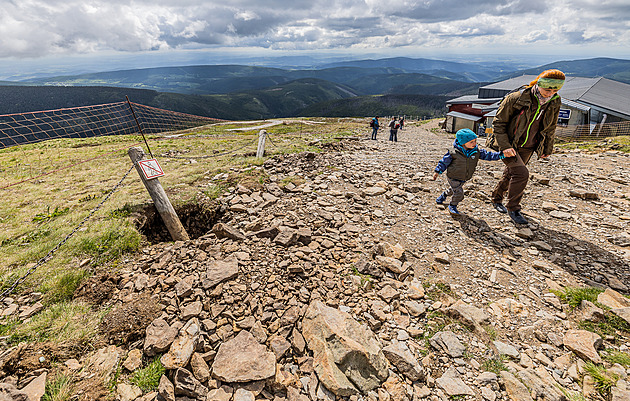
point(262, 137)
point(161, 201)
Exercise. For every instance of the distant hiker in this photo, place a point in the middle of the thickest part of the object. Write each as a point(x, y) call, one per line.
point(374, 125)
point(393, 129)
point(460, 164)
point(525, 123)
point(401, 122)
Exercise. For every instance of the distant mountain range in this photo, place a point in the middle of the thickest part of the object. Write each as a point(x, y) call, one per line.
point(616, 69)
point(242, 92)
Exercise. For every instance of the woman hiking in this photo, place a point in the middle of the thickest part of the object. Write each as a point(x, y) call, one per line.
point(525, 124)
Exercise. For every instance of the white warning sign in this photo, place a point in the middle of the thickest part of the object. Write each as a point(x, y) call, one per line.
point(151, 169)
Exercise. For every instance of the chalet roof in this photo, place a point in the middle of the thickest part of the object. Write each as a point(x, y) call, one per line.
point(463, 115)
point(573, 87)
point(472, 99)
point(578, 92)
point(608, 94)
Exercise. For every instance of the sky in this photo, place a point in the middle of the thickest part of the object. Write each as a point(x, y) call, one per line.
point(56, 34)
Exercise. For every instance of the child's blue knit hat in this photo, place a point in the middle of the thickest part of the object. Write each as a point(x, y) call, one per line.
point(465, 135)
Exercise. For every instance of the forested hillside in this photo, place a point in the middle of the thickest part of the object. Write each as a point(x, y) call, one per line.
point(386, 105)
point(412, 86)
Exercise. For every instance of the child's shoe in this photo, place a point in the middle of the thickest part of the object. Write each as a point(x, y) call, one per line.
point(440, 199)
point(453, 210)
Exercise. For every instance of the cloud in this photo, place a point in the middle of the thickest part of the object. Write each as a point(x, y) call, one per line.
point(535, 36)
point(38, 28)
point(454, 10)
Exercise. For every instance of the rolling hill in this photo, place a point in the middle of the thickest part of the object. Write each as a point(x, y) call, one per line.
point(278, 101)
point(208, 79)
point(616, 69)
point(411, 86)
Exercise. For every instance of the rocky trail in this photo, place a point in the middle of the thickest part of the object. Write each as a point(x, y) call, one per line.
point(340, 278)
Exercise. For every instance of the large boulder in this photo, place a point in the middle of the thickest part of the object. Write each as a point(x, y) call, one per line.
point(243, 359)
point(183, 347)
point(400, 356)
point(514, 388)
point(613, 299)
point(584, 344)
point(218, 271)
point(347, 356)
point(448, 342)
point(159, 337)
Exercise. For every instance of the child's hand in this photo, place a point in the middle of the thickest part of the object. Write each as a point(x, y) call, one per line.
point(435, 176)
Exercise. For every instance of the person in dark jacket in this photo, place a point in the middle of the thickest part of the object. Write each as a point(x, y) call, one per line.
point(525, 124)
point(393, 130)
point(374, 124)
point(460, 164)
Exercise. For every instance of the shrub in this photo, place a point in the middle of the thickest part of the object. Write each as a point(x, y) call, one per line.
point(148, 378)
point(58, 389)
point(575, 295)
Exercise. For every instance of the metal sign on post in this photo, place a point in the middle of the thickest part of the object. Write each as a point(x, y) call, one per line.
point(157, 193)
point(564, 114)
point(151, 169)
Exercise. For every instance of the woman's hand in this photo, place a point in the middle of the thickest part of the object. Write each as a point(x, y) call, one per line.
point(509, 152)
point(435, 176)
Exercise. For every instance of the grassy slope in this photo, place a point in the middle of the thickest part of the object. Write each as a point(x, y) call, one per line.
point(36, 215)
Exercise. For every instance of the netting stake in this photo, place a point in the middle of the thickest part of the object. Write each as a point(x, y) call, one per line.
point(160, 199)
point(262, 136)
point(139, 128)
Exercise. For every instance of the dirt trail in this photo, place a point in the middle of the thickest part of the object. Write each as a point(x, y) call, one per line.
point(579, 238)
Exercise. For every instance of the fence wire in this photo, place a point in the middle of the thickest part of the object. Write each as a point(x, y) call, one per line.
point(50, 254)
point(169, 156)
point(592, 132)
point(92, 121)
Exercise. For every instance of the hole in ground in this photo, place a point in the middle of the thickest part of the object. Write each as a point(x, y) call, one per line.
point(198, 219)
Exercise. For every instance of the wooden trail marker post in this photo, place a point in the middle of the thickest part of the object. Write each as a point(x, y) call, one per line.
point(161, 201)
point(262, 138)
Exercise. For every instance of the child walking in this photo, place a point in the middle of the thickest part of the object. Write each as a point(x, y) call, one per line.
point(460, 164)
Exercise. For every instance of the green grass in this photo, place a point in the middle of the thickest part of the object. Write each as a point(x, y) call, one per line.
point(434, 290)
point(214, 191)
point(437, 321)
point(58, 389)
point(492, 332)
point(365, 278)
point(495, 365)
point(620, 143)
point(611, 326)
point(619, 357)
point(292, 179)
point(48, 215)
point(66, 321)
point(570, 395)
point(575, 295)
point(109, 243)
point(63, 288)
point(148, 378)
point(604, 380)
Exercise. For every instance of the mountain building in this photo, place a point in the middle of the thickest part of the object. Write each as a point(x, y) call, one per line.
point(586, 104)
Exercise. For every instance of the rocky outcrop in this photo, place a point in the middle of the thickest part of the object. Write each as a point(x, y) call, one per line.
point(347, 356)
